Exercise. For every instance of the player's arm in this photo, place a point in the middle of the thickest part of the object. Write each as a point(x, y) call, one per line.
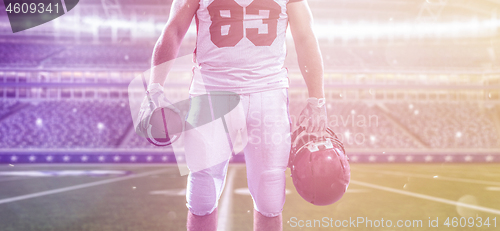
point(167, 46)
point(164, 54)
point(310, 64)
point(306, 45)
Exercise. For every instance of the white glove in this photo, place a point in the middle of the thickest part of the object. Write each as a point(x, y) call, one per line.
point(315, 115)
point(155, 98)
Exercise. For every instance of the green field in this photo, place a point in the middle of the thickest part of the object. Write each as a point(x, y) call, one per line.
point(153, 198)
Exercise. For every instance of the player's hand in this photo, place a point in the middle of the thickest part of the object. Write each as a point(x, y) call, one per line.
point(155, 98)
point(314, 116)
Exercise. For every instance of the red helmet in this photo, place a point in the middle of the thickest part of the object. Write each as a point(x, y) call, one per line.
point(319, 166)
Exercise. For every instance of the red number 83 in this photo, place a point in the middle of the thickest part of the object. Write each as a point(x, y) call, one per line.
point(229, 14)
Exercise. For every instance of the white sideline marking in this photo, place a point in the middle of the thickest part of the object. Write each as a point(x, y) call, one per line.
point(80, 186)
point(427, 197)
point(63, 173)
point(170, 192)
point(433, 177)
point(357, 190)
point(246, 191)
point(224, 220)
point(493, 188)
point(489, 173)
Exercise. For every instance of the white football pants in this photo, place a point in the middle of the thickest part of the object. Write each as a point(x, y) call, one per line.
point(259, 126)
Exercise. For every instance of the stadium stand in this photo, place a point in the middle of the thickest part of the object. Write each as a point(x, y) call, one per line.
point(66, 124)
point(26, 55)
point(470, 56)
point(361, 126)
point(105, 124)
point(86, 56)
point(447, 125)
point(5, 107)
point(63, 86)
point(102, 56)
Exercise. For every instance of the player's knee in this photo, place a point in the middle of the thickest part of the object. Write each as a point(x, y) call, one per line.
point(202, 194)
point(269, 196)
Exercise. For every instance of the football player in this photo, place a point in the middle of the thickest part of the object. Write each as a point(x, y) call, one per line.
point(240, 48)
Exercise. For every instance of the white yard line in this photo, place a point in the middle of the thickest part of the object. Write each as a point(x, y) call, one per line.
point(394, 173)
point(427, 197)
point(80, 186)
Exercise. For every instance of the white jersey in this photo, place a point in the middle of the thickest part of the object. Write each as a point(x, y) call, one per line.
point(240, 46)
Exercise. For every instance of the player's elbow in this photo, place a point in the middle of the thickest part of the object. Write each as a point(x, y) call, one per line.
point(171, 36)
point(166, 47)
point(171, 33)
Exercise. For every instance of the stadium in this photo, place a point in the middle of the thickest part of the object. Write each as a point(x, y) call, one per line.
point(412, 90)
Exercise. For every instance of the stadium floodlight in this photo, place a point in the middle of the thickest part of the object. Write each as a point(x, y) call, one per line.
point(96, 22)
point(148, 26)
point(360, 30)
